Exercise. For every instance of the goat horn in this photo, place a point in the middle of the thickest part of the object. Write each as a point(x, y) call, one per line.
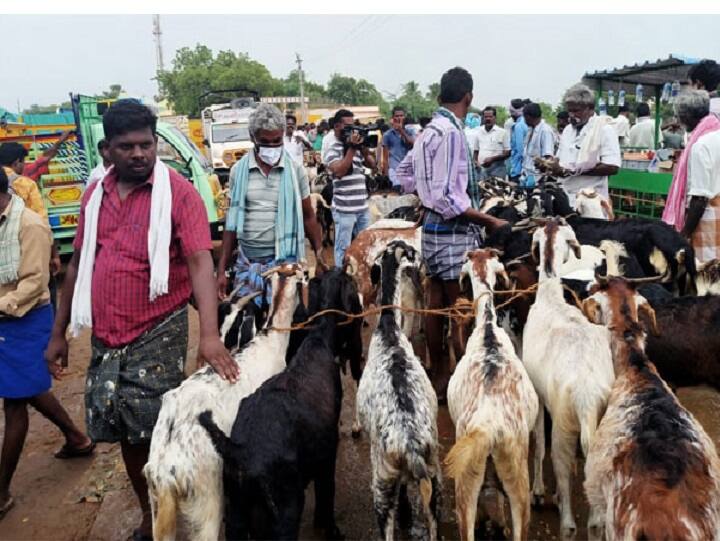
point(242, 301)
point(646, 279)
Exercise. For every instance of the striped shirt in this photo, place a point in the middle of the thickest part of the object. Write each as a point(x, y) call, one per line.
point(261, 207)
point(437, 168)
point(349, 192)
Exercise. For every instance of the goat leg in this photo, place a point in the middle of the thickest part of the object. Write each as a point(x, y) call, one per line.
point(325, 500)
point(538, 487)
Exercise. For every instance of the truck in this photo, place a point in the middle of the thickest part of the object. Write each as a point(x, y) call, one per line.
point(63, 186)
point(225, 128)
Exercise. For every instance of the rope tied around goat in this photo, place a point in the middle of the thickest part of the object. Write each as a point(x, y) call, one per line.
point(461, 310)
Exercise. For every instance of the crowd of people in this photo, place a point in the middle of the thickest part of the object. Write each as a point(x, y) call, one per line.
point(143, 246)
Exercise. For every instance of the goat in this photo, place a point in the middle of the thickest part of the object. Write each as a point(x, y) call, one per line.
point(569, 362)
point(659, 249)
point(708, 278)
point(381, 206)
point(493, 405)
point(183, 469)
point(239, 320)
point(591, 204)
point(686, 350)
point(286, 433)
point(651, 472)
point(397, 407)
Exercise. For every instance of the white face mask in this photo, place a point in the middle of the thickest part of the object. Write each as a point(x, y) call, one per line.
point(270, 155)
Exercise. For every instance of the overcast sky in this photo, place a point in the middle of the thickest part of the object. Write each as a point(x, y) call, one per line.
point(43, 58)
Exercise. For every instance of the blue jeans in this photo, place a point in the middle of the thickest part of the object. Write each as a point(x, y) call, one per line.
point(347, 225)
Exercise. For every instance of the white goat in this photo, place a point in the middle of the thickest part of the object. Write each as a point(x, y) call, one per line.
point(591, 204)
point(569, 362)
point(397, 408)
point(652, 472)
point(184, 472)
point(493, 405)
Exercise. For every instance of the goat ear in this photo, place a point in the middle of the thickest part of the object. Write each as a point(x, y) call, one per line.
point(575, 245)
point(535, 251)
point(647, 315)
point(465, 284)
point(591, 309)
point(375, 274)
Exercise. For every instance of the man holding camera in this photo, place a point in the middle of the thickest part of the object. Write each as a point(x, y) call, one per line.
point(345, 159)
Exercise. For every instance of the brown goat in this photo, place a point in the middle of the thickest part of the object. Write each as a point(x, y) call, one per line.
point(651, 472)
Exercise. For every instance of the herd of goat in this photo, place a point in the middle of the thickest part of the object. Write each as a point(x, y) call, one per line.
point(615, 314)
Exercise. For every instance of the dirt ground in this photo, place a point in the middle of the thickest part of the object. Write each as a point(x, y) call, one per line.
point(90, 498)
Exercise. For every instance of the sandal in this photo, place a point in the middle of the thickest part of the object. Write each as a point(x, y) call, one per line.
point(67, 452)
point(5, 508)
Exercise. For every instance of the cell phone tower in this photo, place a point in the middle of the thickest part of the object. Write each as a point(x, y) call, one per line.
point(157, 33)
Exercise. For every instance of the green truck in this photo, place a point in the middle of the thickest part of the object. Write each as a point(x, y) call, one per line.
point(63, 191)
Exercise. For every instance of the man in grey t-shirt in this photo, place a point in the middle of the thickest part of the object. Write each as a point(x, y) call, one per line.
point(265, 169)
point(345, 159)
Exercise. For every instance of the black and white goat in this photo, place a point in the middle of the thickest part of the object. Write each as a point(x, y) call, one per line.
point(397, 407)
point(184, 472)
point(239, 319)
point(651, 472)
point(569, 362)
point(493, 405)
point(286, 433)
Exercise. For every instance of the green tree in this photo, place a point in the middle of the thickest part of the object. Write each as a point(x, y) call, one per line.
point(290, 86)
point(414, 102)
point(433, 92)
point(351, 91)
point(197, 71)
point(112, 93)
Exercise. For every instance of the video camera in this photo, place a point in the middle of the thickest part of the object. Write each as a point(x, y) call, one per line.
point(369, 140)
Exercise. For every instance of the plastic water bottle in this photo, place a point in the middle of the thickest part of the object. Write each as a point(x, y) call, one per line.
point(639, 93)
point(602, 106)
point(621, 98)
point(675, 91)
point(666, 92)
point(611, 98)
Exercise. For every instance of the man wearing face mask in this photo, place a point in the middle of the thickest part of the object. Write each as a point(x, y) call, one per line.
point(345, 159)
point(589, 151)
point(270, 211)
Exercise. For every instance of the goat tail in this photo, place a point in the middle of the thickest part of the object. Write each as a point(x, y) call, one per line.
point(588, 426)
point(217, 436)
point(165, 515)
point(465, 463)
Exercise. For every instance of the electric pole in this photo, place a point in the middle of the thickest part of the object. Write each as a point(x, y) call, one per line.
point(301, 75)
point(157, 33)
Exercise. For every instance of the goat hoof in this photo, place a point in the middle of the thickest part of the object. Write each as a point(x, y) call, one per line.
point(568, 531)
point(356, 433)
point(537, 500)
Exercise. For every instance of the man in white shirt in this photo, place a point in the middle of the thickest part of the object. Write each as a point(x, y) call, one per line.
point(702, 218)
point(489, 146)
point(589, 151)
point(705, 75)
point(622, 124)
point(642, 134)
point(101, 168)
point(295, 141)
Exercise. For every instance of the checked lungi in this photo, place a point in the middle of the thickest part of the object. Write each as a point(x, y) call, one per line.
point(445, 242)
point(125, 385)
point(706, 237)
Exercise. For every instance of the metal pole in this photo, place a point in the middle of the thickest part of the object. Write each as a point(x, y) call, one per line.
point(157, 33)
point(301, 75)
point(658, 93)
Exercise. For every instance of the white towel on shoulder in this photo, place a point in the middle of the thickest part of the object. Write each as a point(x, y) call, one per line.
point(589, 153)
point(159, 234)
